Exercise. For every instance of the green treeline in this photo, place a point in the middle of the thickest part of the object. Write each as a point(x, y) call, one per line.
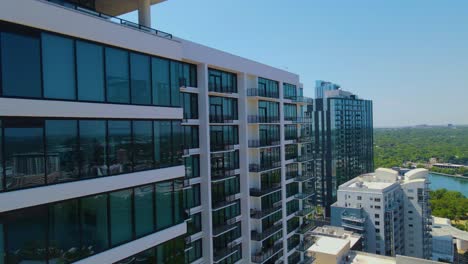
point(452, 205)
point(394, 146)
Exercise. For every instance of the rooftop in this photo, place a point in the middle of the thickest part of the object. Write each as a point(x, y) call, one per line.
point(329, 245)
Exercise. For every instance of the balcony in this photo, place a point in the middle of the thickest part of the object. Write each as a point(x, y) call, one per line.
point(352, 218)
point(254, 119)
point(304, 177)
point(306, 227)
point(263, 191)
point(255, 92)
point(223, 146)
point(229, 225)
point(220, 255)
point(262, 235)
point(263, 255)
point(264, 167)
point(304, 194)
point(110, 18)
point(305, 212)
point(228, 199)
point(263, 143)
point(291, 174)
point(223, 119)
point(219, 175)
point(261, 213)
point(302, 99)
point(305, 245)
point(305, 139)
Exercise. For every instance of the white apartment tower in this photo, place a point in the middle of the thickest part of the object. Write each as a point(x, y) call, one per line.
point(120, 143)
point(391, 211)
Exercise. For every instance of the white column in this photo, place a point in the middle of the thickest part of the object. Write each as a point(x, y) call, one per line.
point(205, 169)
point(283, 175)
point(244, 165)
point(144, 13)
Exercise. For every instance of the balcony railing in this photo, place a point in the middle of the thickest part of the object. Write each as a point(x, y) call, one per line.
point(306, 227)
point(291, 174)
point(305, 245)
point(304, 139)
point(110, 18)
point(259, 236)
point(305, 212)
point(263, 119)
point(219, 255)
point(261, 256)
point(261, 213)
point(303, 158)
point(229, 225)
point(223, 174)
point(262, 93)
point(264, 167)
point(223, 119)
point(263, 191)
point(304, 177)
point(255, 143)
point(302, 99)
point(304, 194)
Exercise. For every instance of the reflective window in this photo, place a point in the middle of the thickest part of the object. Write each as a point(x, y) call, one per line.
point(64, 231)
point(26, 235)
point(190, 137)
point(120, 146)
point(94, 224)
point(1, 159)
point(161, 82)
point(195, 251)
point(58, 67)
point(192, 166)
point(194, 225)
point(93, 148)
point(144, 210)
point(190, 105)
point(162, 142)
point(171, 251)
point(221, 81)
point(140, 79)
point(121, 216)
point(142, 145)
point(179, 212)
point(21, 65)
point(24, 153)
point(90, 71)
point(176, 142)
point(177, 80)
point(117, 79)
point(62, 150)
point(192, 196)
point(164, 205)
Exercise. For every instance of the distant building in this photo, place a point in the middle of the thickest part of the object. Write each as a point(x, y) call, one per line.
point(389, 210)
point(322, 86)
point(448, 166)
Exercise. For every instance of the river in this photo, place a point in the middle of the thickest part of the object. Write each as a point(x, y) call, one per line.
point(439, 181)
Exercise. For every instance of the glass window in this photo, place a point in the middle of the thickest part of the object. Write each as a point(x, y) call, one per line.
point(177, 81)
point(164, 205)
point(93, 148)
point(144, 210)
point(162, 143)
point(62, 150)
point(120, 142)
point(26, 235)
point(90, 71)
point(1, 159)
point(142, 145)
point(140, 79)
point(160, 74)
point(121, 216)
point(179, 212)
point(171, 251)
point(117, 78)
point(94, 230)
point(64, 232)
point(24, 151)
point(176, 138)
point(58, 66)
point(22, 76)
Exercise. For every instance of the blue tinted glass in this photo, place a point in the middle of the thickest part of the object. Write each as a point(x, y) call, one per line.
point(64, 229)
point(1, 159)
point(62, 150)
point(140, 79)
point(164, 205)
point(160, 77)
point(94, 224)
point(120, 146)
point(117, 70)
point(121, 216)
point(142, 145)
point(144, 211)
point(24, 153)
point(177, 80)
point(90, 71)
point(93, 148)
point(21, 69)
point(58, 66)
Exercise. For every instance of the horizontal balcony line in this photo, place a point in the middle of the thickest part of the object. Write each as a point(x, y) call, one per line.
point(52, 193)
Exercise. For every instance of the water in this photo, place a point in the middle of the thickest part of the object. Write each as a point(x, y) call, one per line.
point(450, 183)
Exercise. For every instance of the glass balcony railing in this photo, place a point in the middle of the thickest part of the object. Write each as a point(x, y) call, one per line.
point(223, 118)
point(265, 254)
point(306, 227)
point(110, 18)
point(254, 167)
point(253, 119)
point(220, 255)
point(261, 213)
point(263, 143)
point(263, 191)
point(262, 93)
point(262, 235)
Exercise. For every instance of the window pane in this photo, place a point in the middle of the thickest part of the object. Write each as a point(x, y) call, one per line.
point(162, 143)
point(62, 150)
point(178, 202)
point(176, 138)
point(1, 159)
point(176, 81)
point(58, 60)
point(118, 90)
point(21, 69)
point(121, 216)
point(160, 74)
point(93, 148)
point(24, 151)
point(120, 143)
point(64, 231)
point(94, 224)
point(140, 74)
point(144, 213)
point(164, 205)
point(90, 71)
point(142, 145)
point(26, 235)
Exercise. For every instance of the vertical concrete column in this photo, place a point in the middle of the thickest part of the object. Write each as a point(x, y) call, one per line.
point(205, 168)
point(283, 175)
point(244, 165)
point(144, 13)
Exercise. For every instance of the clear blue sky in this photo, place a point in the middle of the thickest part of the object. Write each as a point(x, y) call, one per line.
point(409, 57)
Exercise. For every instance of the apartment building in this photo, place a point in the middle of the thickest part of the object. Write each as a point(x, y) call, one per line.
point(391, 211)
point(121, 143)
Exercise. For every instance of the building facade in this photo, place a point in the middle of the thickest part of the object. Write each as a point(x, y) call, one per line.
point(391, 212)
point(124, 144)
point(343, 129)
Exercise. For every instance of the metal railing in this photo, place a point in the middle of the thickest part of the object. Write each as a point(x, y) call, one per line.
point(261, 256)
point(255, 143)
point(262, 93)
point(262, 191)
point(262, 119)
point(110, 18)
point(259, 236)
point(259, 167)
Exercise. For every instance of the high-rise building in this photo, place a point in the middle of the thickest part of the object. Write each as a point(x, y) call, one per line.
point(391, 211)
point(322, 86)
point(343, 129)
point(121, 143)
